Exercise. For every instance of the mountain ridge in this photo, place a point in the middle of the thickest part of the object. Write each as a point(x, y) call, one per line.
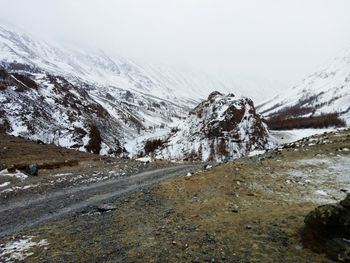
point(325, 91)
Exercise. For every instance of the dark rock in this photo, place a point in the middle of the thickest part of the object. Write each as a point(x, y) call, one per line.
point(346, 202)
point(11, 169)
point(338, 249)
point(106, 207)
point(40, 142)
point(327, 230)
point(32, 169)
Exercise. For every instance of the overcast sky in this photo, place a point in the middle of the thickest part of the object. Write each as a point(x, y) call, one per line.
point(282, 40)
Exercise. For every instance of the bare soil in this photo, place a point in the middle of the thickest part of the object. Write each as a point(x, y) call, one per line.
point(250, 210)
point(59, 167)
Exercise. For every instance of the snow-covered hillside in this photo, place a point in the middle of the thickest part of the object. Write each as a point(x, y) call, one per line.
point(96, 67)
point(39, 106)
point(220, 128)
point(325, 91)
point(67, 95)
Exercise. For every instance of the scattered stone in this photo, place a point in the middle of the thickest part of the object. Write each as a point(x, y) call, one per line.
point(248, 227)
point(235, 194)
point(106, 207)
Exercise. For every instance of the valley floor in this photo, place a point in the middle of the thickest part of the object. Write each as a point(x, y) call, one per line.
point(250, 210)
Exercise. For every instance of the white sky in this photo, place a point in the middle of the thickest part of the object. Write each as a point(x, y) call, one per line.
point(282, 40)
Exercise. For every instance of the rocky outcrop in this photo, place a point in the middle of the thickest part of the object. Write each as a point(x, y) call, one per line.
point(327, 230)
point(220, 128)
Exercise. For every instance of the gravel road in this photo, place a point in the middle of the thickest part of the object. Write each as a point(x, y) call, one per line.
point(26, 213)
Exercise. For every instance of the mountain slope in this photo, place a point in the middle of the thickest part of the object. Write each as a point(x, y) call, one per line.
point(73, 96)
point(324, 92)
point(40, 106)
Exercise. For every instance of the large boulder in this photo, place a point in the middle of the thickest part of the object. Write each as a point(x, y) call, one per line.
point(327, 230)
point(220, 128)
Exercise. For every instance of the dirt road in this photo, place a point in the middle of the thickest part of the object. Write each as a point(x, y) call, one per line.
point(25, 213)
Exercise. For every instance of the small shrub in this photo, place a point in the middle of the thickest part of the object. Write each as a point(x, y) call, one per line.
point(322, 121)
point(94, 144)
point(221, 148)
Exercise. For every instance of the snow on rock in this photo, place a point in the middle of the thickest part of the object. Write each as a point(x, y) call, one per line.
point(220, 128)
point(325, 91)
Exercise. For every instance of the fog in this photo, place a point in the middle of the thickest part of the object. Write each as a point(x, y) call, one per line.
point(277, 40)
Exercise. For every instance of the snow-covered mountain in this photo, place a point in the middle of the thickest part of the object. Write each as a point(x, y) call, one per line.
point(96, 67)
point(220, 128)
point(67, 95)
point(325, 91)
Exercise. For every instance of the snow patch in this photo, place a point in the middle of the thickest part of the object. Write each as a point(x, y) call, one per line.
point(17, 174)
point(5, 184)
point(19, 250)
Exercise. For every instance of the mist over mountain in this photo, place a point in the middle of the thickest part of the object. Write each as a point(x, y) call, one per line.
point(325, 91)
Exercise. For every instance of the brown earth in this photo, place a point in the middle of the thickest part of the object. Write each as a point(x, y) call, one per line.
point(244, 211)
point(21, 152)
point(58, 167)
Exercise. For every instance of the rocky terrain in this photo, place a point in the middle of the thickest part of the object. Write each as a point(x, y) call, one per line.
point(250, 210)
point(222, 127)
